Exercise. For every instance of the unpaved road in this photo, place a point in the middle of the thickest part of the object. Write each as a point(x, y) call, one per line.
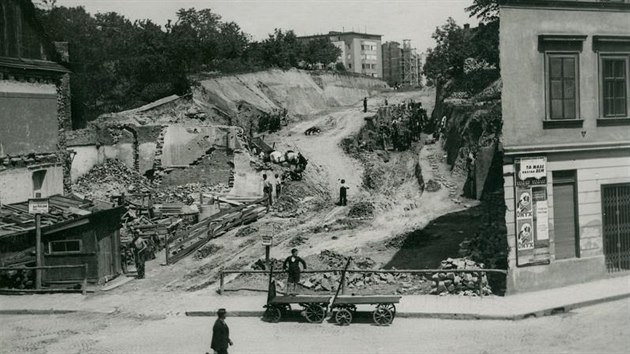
point(603, 328)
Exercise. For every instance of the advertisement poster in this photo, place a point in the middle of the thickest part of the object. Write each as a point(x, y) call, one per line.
point(524, 203)
point(531, 211)
point(541, 214)
point(530, 171)
point(525, 236)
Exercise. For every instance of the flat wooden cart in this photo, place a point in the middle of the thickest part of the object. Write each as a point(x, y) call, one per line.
point(315, 307)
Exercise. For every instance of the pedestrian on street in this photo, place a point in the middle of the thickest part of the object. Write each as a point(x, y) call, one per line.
point(267, 190)
point(278, 185)
point(343, 200)
point(140, 248)
point(292, 266)
point(364, 104)
point(221, 334)
point(386, 102)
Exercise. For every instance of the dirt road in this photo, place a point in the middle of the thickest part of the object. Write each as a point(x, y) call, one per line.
point(597, 329)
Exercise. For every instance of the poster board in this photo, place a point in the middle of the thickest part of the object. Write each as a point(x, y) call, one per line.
point(531, 211)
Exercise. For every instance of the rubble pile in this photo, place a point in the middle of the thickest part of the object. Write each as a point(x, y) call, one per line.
point(109, 179)
point(17, 279)
point(207, 250)
point(435, 160)
point(432, 186)
point(459, 283)
point(188, 193)
point(246, 231)
point(261, 265)
point(361, 210)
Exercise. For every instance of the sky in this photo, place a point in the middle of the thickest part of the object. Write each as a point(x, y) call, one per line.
point(394, 19)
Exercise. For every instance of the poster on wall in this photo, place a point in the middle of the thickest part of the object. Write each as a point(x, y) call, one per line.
point(531, 211)
point(541, 214)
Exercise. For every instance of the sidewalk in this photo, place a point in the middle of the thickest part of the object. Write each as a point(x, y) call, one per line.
point(205, 303)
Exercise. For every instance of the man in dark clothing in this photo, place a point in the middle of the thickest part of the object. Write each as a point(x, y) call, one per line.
point(221, 334)
point(292, 266)
point(364, 104)
point(343, 200)
point(140, 249)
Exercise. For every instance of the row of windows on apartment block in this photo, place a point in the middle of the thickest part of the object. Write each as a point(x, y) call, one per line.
point(368, 66)
point(563, 81)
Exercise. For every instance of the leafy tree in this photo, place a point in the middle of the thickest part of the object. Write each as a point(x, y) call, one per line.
point(485, 10)
point(321, 50)
point(282, 49)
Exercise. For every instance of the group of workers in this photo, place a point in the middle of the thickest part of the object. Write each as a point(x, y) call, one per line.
point(405, 126)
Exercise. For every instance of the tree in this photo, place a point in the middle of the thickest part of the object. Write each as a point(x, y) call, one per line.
point(321, 51)
point(282, 49)
point(485, 10)
point(446, 60)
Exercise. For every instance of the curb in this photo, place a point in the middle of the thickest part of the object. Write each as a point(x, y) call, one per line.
point(454, 316)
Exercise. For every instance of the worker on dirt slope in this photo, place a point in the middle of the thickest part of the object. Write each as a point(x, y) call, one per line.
point(343, 200)
point(292, 266)
point(140, 247)
point(221, 334)
point(278, 185)
point(364, 104)
point(267, 191)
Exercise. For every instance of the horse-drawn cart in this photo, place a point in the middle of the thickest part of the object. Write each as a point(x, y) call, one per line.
point(343, 308)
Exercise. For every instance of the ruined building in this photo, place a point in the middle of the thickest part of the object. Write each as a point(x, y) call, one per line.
point(34, 107)
point(566, 136)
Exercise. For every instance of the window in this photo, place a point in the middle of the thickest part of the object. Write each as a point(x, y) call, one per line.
point(562, 79)
point(38, 182)
point(614, 81)
point(64, 246)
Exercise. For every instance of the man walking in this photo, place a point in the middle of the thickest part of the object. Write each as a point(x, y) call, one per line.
point(140, 250)
point(364, 104)
point(221, 334)
point(343, 200)
point(292, 266)
point(278, 185)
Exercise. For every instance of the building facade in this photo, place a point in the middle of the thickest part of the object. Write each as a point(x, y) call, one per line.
point(566, 138)
point(401, 65)
point(34, 107)
point(360, 52)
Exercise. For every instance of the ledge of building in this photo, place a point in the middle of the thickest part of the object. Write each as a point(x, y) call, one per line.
point(563, 123)
point(560, 4)
point(610, 122)
point(547, 148)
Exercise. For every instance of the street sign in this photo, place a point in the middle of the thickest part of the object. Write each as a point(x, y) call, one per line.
point(267, 240)
point(38, 206)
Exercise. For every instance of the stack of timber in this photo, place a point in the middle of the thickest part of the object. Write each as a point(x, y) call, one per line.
point(188, 241)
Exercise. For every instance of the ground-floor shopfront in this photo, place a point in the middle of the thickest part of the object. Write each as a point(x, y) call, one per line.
point(567, 217)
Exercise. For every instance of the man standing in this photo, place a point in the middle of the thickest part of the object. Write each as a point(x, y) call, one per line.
point(364, 104)
point(278, 185)
point(343, 200)
point(292, 266)
point(221, 334)
point(140, 249)
point(267, 191)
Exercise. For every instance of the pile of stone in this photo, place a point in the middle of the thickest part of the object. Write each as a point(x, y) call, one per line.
point(449, 282)
point(432, 186)
point(109, 179)
point(361, 210)
point(261, 265)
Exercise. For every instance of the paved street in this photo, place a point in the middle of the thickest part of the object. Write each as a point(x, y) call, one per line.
point(596, 329)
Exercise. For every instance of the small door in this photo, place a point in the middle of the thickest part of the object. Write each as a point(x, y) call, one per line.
point(566, 240)
point(616, 226)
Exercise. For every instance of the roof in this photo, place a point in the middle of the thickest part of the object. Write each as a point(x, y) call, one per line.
point(15, 218)
point(350, 34)
point(154, 104)
point(32, 64)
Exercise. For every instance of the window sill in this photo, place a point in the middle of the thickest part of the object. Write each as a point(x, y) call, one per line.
point(562, 123)
point(611, 122)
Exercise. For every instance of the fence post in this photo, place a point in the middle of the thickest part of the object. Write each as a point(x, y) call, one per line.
point(85, 275)
point(166, 250)
point(221, 282)
point(343, 284)
point(481, 284)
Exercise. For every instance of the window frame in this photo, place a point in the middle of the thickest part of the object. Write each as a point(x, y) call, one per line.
point(600, 78)
point(548, 55)
point(50, 248)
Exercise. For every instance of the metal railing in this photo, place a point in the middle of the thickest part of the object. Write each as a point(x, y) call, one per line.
point(83, 282)
point(222, 274)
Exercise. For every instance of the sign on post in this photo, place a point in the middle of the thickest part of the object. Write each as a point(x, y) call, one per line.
point(38, 206)
point(267, 240)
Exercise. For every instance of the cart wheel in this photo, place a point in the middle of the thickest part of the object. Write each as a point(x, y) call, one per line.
point(272, 314)
point(343, 317)
point(390, 307)
point(382, 316)
point(315, 313)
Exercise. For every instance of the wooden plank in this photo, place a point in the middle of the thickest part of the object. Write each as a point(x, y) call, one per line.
point(367, 299)
point(300, 299)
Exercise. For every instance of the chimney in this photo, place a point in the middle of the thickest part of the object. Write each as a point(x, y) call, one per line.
point(62, 49)
point(466, 26)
